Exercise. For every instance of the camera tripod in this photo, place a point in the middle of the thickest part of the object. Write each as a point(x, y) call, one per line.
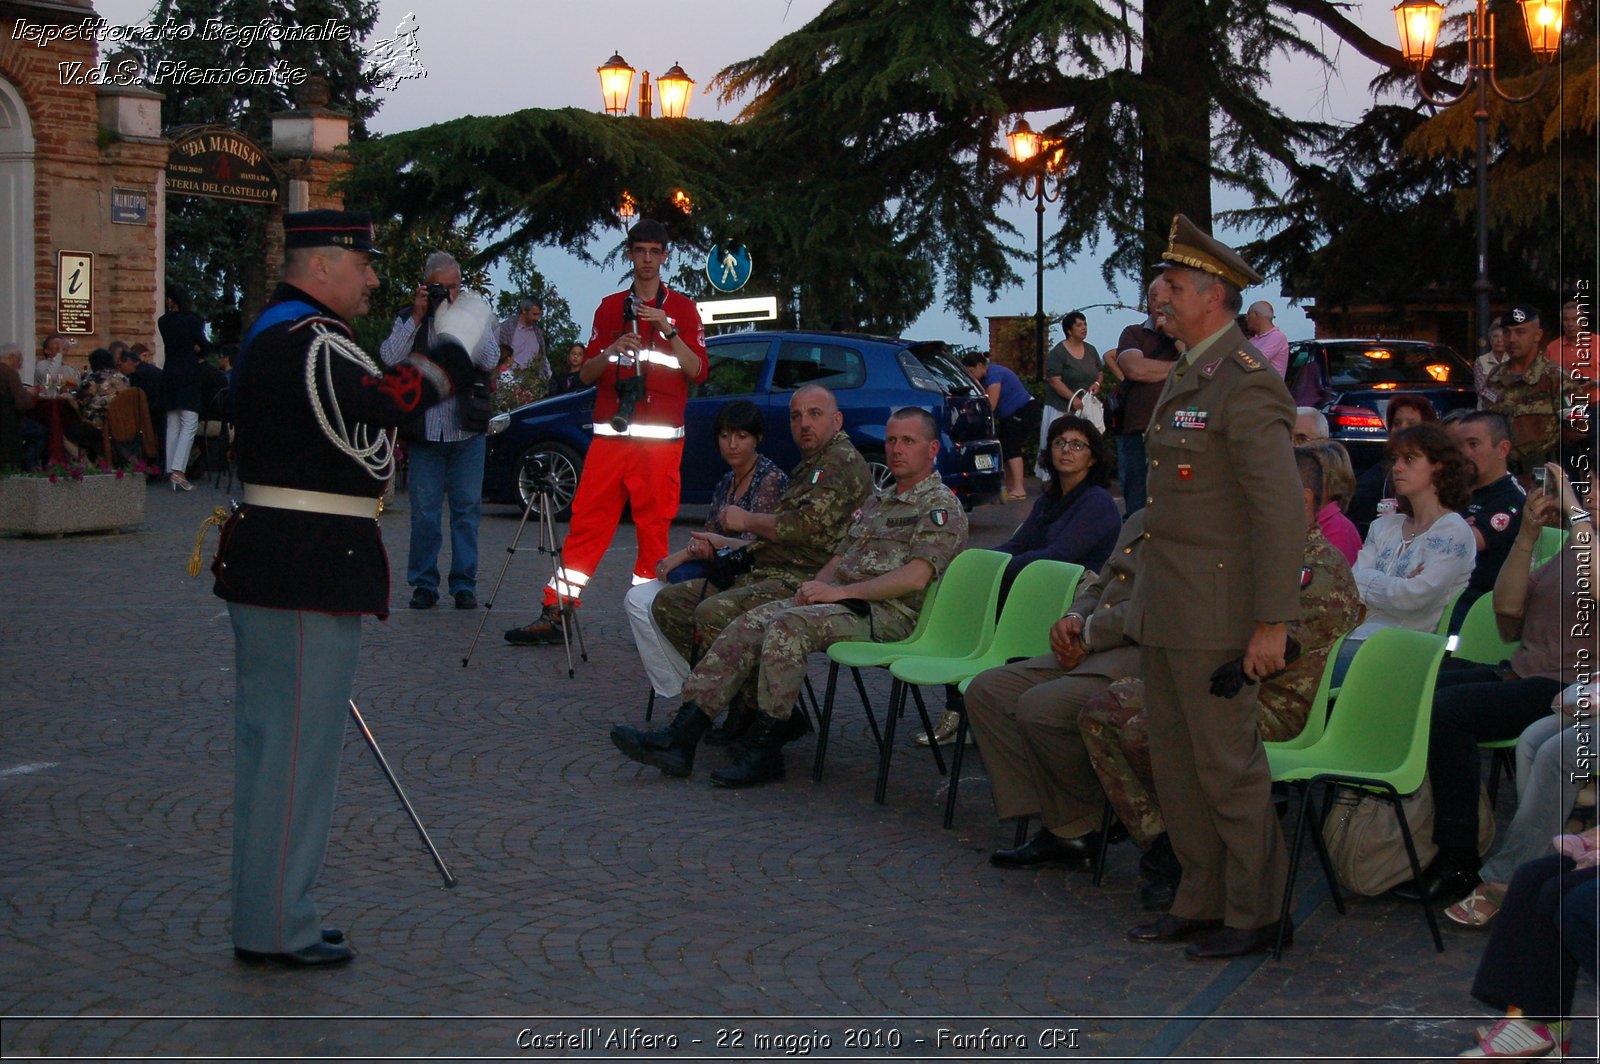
point(548, 544)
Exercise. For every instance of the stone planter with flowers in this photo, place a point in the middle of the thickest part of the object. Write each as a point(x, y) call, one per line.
point(76, 498)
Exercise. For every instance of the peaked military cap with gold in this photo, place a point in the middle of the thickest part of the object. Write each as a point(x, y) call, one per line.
point(1190, 249)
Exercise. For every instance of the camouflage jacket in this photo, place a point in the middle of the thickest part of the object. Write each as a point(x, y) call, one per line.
point(1532, 402)
point(926, 522)
point(815, 510)
point(1329, 607)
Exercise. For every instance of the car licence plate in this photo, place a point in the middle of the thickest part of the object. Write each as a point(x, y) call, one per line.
point(985, 461)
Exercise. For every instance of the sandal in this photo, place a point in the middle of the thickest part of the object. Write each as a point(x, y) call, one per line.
point(1020, 496)
point(1479, 907)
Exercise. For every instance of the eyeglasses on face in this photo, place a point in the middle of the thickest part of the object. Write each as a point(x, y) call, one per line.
point(1063, 443)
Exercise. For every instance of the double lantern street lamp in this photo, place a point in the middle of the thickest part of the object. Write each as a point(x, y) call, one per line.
point(616, 89)
point(1037, 155)
point(1418, 22)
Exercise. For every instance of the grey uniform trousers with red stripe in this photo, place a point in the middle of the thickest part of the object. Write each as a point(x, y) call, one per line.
point(294, 670)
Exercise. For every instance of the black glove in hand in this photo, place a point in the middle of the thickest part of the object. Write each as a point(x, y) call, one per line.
point(1229, 678)
point(456, 363)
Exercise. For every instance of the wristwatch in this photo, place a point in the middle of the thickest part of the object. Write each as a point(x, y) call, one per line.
point(670, 335)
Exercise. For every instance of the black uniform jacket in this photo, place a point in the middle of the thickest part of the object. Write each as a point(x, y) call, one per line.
point(290, 559)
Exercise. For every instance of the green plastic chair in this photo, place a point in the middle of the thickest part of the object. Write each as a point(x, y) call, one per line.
point(1551, 540)
point(1479, 639)
point(1377, 741)
point(1443, 627)
point(1039, 595)
point(1317, 716)
point(947, 625)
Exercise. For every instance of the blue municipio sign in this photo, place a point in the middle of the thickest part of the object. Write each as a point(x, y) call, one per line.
point(130, 206)
point(728, 267)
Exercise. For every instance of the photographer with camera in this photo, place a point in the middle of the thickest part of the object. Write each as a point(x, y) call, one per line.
point(647, 346)
point(446, 445)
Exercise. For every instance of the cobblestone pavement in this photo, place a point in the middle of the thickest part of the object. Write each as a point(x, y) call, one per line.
point(598, 902)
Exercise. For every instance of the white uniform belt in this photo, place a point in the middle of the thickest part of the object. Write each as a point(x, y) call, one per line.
point(317, 502)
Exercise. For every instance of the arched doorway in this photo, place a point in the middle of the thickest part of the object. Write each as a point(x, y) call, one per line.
point(16, 224)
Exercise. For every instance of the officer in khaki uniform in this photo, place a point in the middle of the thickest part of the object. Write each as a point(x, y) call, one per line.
point(901, 540)
point(1025, 718)
point(1115, 726)
point(1218, 577)
point(825, 489)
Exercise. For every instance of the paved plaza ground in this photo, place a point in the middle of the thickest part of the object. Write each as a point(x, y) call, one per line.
point(602, 910)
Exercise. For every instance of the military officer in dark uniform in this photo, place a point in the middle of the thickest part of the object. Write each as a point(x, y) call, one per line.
point(1218, 577)
point(302, 560)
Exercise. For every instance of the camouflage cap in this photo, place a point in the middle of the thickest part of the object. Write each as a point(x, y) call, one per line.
point(1190, 249)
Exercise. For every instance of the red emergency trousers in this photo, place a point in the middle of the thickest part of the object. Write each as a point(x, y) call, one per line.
point(642, 473)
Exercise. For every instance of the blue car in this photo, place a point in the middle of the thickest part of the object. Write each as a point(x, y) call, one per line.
point(870, 375)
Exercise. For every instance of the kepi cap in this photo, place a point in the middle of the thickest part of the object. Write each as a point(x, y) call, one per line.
point(1190, 249)
point(351, 230)
point(1522, 313)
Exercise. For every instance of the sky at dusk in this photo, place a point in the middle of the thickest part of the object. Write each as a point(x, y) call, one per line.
point(486, 57)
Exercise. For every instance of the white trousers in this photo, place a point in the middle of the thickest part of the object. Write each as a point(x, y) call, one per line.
point(662, 663)
point(180, 439)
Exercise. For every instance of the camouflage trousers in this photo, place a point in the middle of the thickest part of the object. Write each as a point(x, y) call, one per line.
point(1116, 731)
point(682, 609)
point(770, 644)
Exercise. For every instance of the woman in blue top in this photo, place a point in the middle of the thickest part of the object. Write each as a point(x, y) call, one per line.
point(1075, 520)
point(1016, 414)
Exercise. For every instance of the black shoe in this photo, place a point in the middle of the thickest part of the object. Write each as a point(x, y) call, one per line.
point(1159, 862)
point(333, 936)
point(1447, 879)
point(466, 600)
point(735, 723)
point(544, 630)
point(423, 599)
point(795, 726)
point(318, 954)
point(762, 759)
point(1171, 929)
point(1157, 895)
point(1047, 850)
point(670, 749)
point(1226, 943)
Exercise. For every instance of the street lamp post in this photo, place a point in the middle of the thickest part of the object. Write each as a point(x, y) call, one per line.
point(616, 88)
point(1418, 22)
point(1039, 156)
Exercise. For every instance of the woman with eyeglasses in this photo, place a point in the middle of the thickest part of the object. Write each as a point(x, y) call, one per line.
point(1074, 520)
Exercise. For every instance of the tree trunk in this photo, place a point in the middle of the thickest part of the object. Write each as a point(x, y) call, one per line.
point(1176, 129)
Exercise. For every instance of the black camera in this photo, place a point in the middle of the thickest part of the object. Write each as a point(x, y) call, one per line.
point(728, 564)
point(437, 294)
point(629, 392)
point(536, 473)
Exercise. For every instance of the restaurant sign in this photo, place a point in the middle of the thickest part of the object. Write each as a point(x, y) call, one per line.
point(221, 164)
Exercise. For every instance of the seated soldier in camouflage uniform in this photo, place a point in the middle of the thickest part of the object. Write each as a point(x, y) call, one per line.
point(1115, 729)
point(872, 589)
point(792, 542)
point(1530, 391)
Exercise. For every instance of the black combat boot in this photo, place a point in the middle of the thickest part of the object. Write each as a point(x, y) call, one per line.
point(1160, 873)
point(671, 749)
point(734, 724)
point(762, 758)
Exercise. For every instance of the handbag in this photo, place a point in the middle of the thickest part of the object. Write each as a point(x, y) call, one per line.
point(1364, 843)
point(1093, 410)
point(1115, 406)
